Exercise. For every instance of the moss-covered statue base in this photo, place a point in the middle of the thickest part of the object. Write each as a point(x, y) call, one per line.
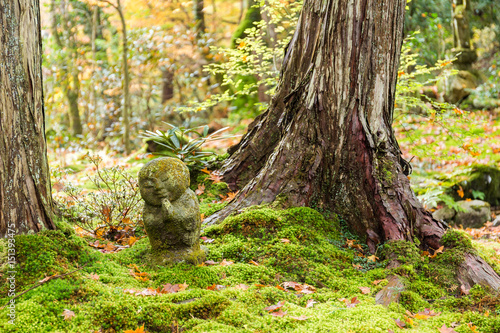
point(263, 248)
point(194, 255)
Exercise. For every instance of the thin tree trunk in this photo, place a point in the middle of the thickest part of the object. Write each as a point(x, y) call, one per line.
point(25, 192)
point(126, 81)
point(71, 84)
point(199, 18)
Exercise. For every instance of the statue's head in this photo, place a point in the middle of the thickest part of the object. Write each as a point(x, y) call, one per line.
point(163, 178)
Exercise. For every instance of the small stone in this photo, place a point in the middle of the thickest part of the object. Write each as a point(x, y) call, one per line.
point(445, 214)
point(171, 212)
point(475, 214)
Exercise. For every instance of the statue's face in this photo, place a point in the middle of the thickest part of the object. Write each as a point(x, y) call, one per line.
point(154, 190)
point(163, 179)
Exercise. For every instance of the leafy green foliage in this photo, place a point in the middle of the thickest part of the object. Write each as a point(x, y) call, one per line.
point(185, 143)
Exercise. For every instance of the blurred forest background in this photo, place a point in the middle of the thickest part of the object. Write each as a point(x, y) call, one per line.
point(125, 79)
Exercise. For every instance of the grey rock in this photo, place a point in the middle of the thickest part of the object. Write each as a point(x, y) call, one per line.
point(171, 212)
point(475, 214)
point(445, 214)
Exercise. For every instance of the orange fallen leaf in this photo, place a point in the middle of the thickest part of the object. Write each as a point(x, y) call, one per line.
point(460, 192)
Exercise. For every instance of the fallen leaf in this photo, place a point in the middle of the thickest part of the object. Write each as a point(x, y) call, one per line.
point(281, 288)
point(300, 318)
point(131, 240)
point(400, 323)
point(205, 170)
point(445, 329)
point(215, 178)
point(460, 192)
point(463, 290)
point(200, 190)
point(376, 282)
point(440, 250)
point(183, 286)
point(47, 278)
point(137, 330)
point(68, 314)
point(253, 262)
point(169, 288)
point(275, 307)
point(207, 240)
point(226, 262)
point(94, 276)
point(278, 314)
point(211, 262)
point(364, 290)
point(284, 240)
point(310, 303)
point(216, 287)
point(242, 286)
point(350, 304)
point(372, 258)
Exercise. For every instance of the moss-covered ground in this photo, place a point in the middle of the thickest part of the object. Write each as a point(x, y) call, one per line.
point(252, 258)
point(267, 248)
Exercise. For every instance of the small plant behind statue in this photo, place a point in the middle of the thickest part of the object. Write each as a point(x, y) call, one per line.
point(171, 212)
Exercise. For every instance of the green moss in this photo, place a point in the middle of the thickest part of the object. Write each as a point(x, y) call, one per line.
point(454, 238)
point(47, 253)
point(406, 253)
point(412, 301)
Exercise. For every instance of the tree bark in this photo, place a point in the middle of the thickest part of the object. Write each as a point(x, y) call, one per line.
point(326, 140)
point(25, 192)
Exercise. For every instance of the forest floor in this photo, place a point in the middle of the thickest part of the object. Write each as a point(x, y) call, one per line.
point(267, 269)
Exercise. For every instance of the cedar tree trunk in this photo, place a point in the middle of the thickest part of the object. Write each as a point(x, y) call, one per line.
point(326, 140)
point(25, 193)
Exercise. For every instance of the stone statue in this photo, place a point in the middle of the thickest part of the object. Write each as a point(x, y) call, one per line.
point(171, 212)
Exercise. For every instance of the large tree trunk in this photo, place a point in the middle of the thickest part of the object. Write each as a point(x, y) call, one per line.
point(326, 140)
point(25, 193)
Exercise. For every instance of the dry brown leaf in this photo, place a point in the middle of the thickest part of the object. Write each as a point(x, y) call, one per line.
point(226, 262)
point(94, 276)
point(445, 329)
point(284, 240)
point(376, 282)
point(200, 190)
point(275, 306)
point(278, 314)
point(211, 262)
point(364, 290)
point(68, 314)
point(242, 286)
point(300, 318)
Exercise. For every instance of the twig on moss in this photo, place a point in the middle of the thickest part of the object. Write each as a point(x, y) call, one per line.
point(45, 280)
